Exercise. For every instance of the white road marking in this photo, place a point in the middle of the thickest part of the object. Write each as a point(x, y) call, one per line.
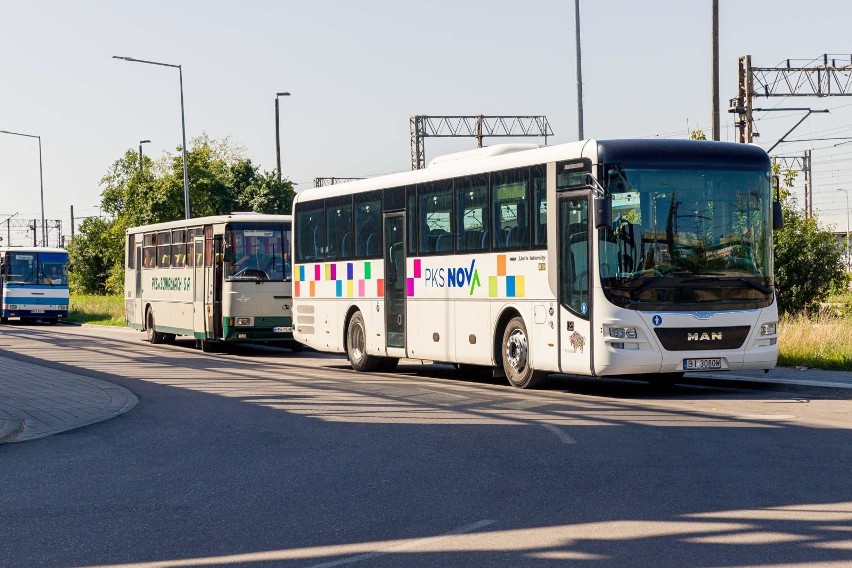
point(566, 439)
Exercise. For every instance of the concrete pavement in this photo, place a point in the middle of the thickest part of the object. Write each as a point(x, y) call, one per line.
point(38, 401)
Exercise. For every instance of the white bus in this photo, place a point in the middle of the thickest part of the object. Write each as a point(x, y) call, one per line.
point(218, 279)
point(600, 258)
point(33, 284)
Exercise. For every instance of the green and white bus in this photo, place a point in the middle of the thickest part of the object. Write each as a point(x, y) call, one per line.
point(225, 278)
point(600, 258)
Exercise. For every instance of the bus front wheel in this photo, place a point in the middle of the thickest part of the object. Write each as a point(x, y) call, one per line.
point(356, 346)
point(154, 336)
point(516, 356)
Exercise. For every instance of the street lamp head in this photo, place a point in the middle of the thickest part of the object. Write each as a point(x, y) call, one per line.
point(144, 141)
point(284, 94)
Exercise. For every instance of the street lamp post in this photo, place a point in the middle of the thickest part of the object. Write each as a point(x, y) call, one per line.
point(140, 152)
point(182, 122)
point(848, 255)
point(278, 132)
point(40, 178)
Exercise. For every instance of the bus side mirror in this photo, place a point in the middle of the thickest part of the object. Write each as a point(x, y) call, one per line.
point(603, 212)
point(777, 216)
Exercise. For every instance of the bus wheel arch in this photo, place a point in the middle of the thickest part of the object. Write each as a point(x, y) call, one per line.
point(154, 336)
point(497, 341)
point(356, 345)
point(514, 352)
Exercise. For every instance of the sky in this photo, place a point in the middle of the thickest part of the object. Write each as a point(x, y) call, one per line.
point(357, 71)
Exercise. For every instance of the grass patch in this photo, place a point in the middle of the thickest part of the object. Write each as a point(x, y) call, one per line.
point(821, 341)
point(100, 310)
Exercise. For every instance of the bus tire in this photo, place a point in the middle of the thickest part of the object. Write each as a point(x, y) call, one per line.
point(356, 346)
point(4, 320)
point(154, 336)
point(207, 345)
point(515, 350)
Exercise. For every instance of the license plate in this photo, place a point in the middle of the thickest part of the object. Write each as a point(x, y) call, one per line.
point(37, 311)
point(282, 330)
point(702, 364)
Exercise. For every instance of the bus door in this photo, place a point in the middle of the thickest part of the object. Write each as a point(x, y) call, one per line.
point(137, 300)
point(216, 286)
point(394, 258)
point(574, 263)
point(199, 308)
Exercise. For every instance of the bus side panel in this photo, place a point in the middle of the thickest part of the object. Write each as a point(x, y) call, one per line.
point(473, 332)
point(326, 328)
point(430, 329)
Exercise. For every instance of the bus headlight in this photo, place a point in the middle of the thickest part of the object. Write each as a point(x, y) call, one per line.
point(768, 328)
point(622, 332)
point(244, 321)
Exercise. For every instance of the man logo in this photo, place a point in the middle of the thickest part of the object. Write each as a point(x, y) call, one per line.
point(712, 336)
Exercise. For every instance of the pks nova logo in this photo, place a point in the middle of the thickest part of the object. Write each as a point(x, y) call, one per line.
point(453, 277)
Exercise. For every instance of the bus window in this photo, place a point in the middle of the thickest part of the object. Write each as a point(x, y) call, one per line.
point(178, 248)
point(472, 199)
point(131, 253)
point(510, 190)
point(435, 210)
point(338, 214)
point(53, 268)
point(164, 252)
point(368, 225)
point(310, 240)
point(539, 203)
point(149, 251)
point(22, 268)
point(208, 245)
point(411, 216)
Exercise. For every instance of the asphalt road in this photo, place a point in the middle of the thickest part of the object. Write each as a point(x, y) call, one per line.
point(266, 458)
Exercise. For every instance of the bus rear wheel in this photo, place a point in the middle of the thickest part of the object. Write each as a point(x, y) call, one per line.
point(154, 336)
point(356, 346)
point(516, 356)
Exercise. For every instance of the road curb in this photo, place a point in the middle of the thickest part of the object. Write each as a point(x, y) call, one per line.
point(10, 428)
point(823, 388)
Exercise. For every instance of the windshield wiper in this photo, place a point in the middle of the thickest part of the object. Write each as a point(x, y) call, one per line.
point(755, 285)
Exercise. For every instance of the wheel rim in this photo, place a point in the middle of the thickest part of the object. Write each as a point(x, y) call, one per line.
point(516, 350)
point(356, 341)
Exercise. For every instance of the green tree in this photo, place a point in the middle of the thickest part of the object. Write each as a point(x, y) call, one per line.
point(808, 262)
point(96, 257)
point(221, 180)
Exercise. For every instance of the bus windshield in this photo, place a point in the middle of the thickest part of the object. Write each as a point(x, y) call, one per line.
point(687, 238)
point(37, 268)
point(257, 252)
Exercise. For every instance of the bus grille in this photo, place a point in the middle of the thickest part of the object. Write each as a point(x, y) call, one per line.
point(702, 338)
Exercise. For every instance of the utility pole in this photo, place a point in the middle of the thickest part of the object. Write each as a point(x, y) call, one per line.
point(579, 72)
point(809, 193)
point(72, 222)
point(742, 104)
point(716, 119)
